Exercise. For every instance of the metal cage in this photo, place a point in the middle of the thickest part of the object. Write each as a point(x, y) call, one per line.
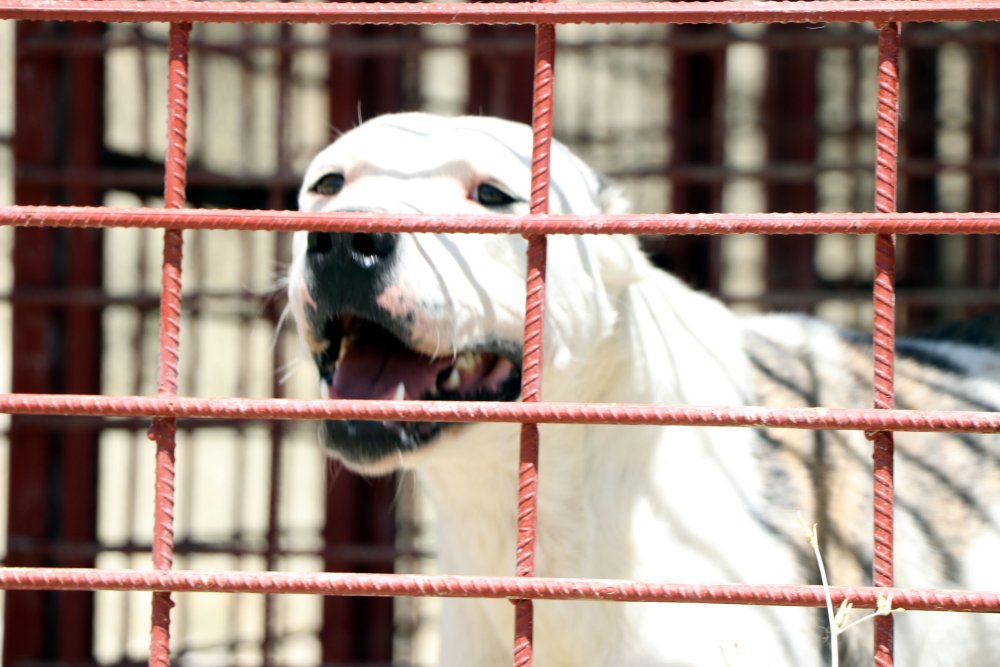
point(59, 408)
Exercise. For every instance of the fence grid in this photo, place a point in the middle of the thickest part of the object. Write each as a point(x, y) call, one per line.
point(167, 407)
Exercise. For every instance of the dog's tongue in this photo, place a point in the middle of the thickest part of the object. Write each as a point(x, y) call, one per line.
point(370, 371)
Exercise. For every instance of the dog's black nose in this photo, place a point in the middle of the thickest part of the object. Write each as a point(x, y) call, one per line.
point(350, 251)
point(348, 270)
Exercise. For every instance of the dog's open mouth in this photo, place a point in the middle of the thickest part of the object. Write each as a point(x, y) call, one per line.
point(371, 363)
point(363, 360)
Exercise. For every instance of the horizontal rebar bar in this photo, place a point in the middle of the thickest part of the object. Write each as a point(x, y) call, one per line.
point(541, 588)
point(663, 223)
point(731, 11)
point(477, 411)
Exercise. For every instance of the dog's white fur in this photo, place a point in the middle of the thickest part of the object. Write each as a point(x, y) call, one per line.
point(675, 504)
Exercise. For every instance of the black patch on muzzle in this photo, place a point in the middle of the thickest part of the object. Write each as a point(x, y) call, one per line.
point(368, 442)
point(349, 269)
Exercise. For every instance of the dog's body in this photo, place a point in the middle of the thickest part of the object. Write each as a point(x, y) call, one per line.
point(441, 315)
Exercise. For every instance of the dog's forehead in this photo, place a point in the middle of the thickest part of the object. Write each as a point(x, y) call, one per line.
point(421, 144)
point(469, 149)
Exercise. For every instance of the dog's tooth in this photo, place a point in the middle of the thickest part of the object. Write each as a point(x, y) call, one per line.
point(400, 392)
point(324, 389)
point(454, 380)
point(468, 361)
point(345, 347)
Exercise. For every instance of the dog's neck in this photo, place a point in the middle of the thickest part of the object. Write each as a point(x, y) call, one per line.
point(473, 487)
point(648, 473)
point(473, 482)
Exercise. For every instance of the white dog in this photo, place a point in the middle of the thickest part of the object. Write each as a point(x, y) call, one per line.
point(418, 316)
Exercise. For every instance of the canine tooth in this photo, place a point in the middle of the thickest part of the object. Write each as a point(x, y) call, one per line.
point(400, 392)
point(468, 361)
point(345, 346)
point(324, 389)
point(454, 380)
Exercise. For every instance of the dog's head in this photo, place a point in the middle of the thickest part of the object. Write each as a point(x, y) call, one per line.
point(432, 316)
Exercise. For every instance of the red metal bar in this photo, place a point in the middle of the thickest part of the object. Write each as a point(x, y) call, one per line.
point(731, 11)
point(276, 199)
point(884, 329)
point(789, 104)
point(164, 430)
point(53, 472)
point(539, 588)
point(366, 85)
point(987, 136)
point(531, 413)
point(534, 315)
point(983, 271)
point(545, 412)
point(365, 553)
point(696, 135)
point(355, 631)
point(922, 256)
point(528, 225)
point(501, 63)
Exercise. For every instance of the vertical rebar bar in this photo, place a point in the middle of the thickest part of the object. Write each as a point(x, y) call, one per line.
point(164, 431)
point(884, 299)
point(534, 313)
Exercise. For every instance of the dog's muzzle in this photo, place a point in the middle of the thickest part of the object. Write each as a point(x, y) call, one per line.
point(364, 352)
point(357, 263)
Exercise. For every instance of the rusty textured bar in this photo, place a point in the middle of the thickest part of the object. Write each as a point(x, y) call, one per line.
point(164, 430)
point(927, 421)
point(527, 225)
point(884, 328)
point(534, 315)
point(878, 420)
point(732, 11)
point(52, 465)
point(540, 588)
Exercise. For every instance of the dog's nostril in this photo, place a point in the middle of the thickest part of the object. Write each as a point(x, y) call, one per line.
point(373, 247)
point(343, 251)
point(319, 242)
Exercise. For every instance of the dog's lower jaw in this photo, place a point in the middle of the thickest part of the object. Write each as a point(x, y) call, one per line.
point(384, 456)
point(374, 448)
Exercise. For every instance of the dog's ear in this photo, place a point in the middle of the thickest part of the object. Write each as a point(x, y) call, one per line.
point(611, 198)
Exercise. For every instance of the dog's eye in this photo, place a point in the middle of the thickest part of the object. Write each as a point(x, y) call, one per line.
point(491, 196)
point(329, 185)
